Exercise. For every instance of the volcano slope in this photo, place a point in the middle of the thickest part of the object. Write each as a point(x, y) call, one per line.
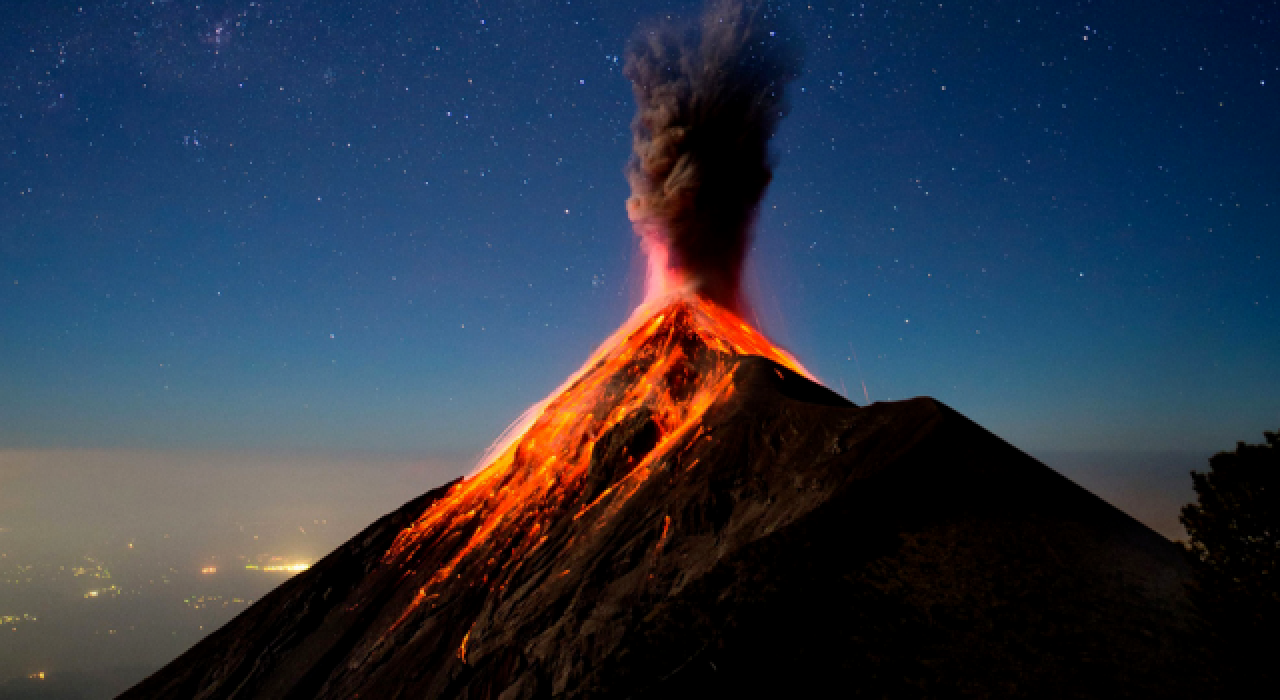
point(693, 517)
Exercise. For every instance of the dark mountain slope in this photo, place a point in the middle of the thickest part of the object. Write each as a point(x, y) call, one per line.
point(795, 544)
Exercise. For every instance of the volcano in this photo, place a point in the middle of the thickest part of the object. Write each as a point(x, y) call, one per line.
point(692, 516)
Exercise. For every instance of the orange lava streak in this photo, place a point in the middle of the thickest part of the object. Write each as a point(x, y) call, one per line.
point(462, 650)
point(491, 520)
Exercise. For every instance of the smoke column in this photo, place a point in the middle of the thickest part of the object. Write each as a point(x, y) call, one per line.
point(709, 96)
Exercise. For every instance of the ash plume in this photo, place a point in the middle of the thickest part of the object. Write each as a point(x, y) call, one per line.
point(709, 96)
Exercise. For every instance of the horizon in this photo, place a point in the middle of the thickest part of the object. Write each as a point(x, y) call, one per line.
point(136, 513)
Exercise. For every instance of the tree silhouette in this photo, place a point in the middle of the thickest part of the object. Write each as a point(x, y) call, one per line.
point(1234, 552)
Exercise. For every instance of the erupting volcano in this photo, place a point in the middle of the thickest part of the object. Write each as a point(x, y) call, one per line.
point(691, 514)
point(651, 385)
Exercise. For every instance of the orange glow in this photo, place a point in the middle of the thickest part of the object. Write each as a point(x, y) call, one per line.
point(209, 570)
point(533, 477)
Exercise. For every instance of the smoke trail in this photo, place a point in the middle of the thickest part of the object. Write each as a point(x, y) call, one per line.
point(709, 96)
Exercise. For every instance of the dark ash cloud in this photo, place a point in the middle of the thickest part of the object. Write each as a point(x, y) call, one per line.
point(709, 97)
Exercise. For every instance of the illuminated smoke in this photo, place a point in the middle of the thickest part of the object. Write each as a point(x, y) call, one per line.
point(709, 96)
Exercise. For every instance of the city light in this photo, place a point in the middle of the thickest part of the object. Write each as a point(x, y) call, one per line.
point(279, 564)
point(279, 567)
point(133, 595)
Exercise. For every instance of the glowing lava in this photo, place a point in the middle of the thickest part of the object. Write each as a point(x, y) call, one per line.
point(663, 370)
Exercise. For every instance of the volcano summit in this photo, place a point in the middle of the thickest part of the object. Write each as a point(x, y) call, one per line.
point(691, 515)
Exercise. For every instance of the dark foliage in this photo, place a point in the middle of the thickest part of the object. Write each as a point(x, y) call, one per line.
point(1235, 554)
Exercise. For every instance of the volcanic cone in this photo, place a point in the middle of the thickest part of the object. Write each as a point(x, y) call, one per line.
point(692, 515)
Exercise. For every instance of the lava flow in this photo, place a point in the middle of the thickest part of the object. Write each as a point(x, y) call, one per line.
point(662, 371)
point(709, 96)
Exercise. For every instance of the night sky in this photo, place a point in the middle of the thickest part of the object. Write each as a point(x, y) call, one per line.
point(392, 226)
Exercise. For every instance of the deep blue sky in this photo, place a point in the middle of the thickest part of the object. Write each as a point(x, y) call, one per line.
point(392, 226)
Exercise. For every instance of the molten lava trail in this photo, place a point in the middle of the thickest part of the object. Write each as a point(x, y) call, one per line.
point(671, 362)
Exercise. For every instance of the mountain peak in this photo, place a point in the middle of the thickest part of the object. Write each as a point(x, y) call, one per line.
point(691, 516)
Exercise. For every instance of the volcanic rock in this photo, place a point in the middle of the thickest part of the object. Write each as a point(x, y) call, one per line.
point(689, 518)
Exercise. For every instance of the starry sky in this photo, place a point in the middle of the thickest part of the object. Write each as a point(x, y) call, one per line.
point(391, 226)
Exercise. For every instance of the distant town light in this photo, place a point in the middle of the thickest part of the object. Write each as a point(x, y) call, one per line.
point(278, 567)
point(209, 570)
point(286, 567)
